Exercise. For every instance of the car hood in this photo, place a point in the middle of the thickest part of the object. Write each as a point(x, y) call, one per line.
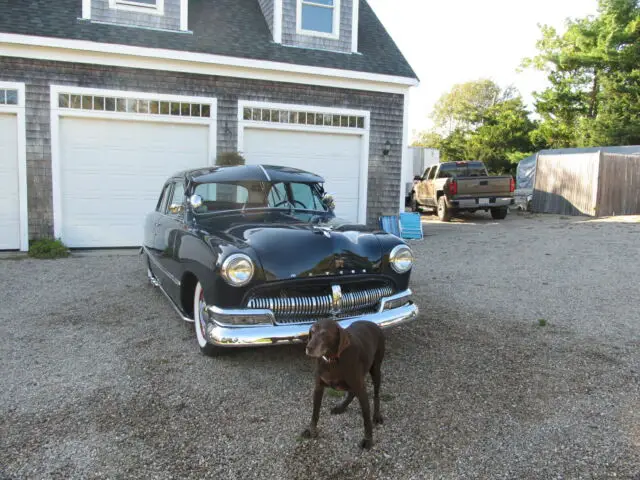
point(300, 245)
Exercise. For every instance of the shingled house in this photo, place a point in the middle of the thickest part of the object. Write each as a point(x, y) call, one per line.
point(101, 100)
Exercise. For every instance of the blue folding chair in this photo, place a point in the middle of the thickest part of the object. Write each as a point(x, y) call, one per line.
point(411, 226)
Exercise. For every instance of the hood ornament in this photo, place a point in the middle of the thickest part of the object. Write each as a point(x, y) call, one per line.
point(323, 230)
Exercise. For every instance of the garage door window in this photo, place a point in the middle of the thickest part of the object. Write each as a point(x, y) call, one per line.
point(8, 96)
point(144, 106)
point(272, 115)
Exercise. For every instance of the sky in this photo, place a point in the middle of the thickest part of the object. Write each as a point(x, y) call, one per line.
point(455, 41)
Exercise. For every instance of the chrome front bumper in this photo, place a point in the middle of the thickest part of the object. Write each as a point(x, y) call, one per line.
point(225, 329)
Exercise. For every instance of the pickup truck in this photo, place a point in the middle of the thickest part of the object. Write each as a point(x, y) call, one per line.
point(453, 187)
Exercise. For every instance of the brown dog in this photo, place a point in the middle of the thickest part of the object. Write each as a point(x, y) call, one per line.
point(344, 356)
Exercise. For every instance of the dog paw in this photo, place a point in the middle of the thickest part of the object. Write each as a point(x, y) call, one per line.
point(377, 419)
point(366, 443)
point(309, 433)
point(337, 410)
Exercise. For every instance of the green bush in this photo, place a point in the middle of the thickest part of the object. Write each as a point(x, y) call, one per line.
point(48, 248)
point(230, 158)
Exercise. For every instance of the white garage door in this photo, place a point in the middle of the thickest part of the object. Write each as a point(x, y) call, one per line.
point(9, 190)
point(112, 171)
point(336, 157)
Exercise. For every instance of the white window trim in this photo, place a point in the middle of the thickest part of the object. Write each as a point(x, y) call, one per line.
point(133, 6)
point(355, 25)
point(312, 33)
point(364, 133)
point(184, 15)
point(57, 113)
point(19, 111)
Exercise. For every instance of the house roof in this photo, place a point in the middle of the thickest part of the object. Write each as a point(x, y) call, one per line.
point(234, 28)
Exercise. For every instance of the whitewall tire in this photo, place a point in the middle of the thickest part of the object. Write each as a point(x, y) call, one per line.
point(200, 322)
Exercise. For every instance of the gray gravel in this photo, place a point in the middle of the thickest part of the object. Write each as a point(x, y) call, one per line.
point(101, 380)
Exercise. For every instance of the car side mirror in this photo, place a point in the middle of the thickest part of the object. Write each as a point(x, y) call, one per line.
point(195, 201)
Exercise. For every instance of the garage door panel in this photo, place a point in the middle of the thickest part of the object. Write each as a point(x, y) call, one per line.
point(9, 181)
point(112, 172)
point(335, 157)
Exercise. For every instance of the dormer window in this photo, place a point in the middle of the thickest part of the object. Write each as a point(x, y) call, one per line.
point(319, 18)
point(155, 7)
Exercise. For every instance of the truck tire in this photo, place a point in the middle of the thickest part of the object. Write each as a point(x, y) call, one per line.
point(499, 213)
point(444, 214)
point(415, 206)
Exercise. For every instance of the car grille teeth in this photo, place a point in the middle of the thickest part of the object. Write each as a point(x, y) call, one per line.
point(305, 309)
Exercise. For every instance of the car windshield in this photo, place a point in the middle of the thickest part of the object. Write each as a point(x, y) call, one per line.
point(218, 197)
point(462, 169)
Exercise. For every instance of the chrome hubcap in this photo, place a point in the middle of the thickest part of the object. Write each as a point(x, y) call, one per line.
point(203, 322)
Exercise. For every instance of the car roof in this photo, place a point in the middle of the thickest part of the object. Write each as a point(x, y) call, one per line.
point(259, 173)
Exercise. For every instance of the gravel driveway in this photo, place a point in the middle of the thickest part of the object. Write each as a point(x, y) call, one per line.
point(101, 380)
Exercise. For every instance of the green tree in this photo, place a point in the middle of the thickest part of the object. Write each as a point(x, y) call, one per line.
point(463, 107)
point(481, 121)
point(594, 74)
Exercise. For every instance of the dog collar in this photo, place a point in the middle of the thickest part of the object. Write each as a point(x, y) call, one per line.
point(329, 359)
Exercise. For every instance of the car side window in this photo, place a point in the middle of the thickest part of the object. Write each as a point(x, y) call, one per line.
point(426, 173)
point(278, 196)
point(164, 197)
point(432, 173)
point(303, 197)
point(176, 205)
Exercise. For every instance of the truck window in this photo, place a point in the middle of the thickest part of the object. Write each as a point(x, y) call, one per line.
point(462, 169)
point(426, 173)
point(432, 173)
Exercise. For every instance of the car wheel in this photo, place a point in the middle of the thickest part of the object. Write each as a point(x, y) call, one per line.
point(200, 322)
point(444, 214)
point(499, 213)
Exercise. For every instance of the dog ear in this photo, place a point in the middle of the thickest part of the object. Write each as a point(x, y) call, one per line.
point(344, 340)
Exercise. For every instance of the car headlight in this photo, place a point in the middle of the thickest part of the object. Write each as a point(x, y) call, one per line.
point(401, 258)
point(237, 269)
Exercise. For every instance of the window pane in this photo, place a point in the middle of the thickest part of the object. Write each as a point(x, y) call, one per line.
point(256, 114)
point(266, 114)
point(293, 117)
point(76, 101)
point(178, 194)
point(98, 103)
point(164, 108)
point(284, 117)
point(317, 19)
point(87, 102)
point(327, 120)
point(195, 109)
point(63, 100)
point(154, 107)
point(205, 111)
point(175, 108)
point(360, 122)
point(320, 2)
point(302, 118)
point(303, 197)
point(352, 122)
point(278, 196)
point(110, 104)
point(185, 109)
point(336, 121)
point(132, 105)
point(12, 97)
point(344, 121)
point(143, 106)
point(246, 113)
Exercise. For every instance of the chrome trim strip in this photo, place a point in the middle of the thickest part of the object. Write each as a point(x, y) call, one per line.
point(265, 173)
point(164, 270)
point(263, 335)
point(154, 281)
point(397, 296)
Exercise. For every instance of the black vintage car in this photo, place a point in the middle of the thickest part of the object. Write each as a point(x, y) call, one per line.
point(254, 254)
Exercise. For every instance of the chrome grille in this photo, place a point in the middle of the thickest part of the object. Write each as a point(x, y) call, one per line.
point(305, 308)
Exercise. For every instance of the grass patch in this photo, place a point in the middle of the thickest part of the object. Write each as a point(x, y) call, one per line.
point(334, 393)
point(542, 322)
point(48, 248)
